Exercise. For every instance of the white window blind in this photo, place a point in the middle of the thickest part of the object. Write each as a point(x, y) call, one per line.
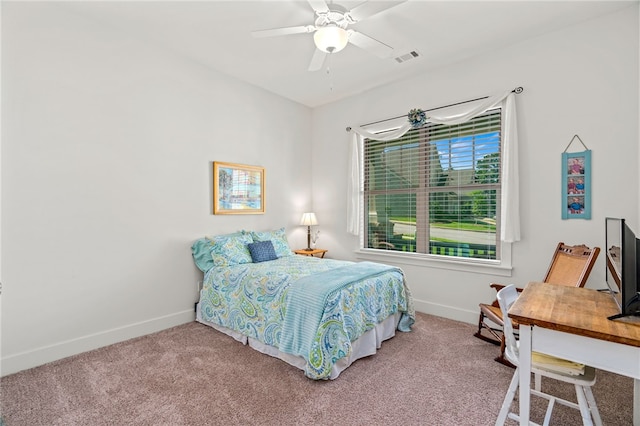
point(436, 189)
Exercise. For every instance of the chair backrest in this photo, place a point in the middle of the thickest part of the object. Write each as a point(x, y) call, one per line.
point(506, 297)
point(571, 265)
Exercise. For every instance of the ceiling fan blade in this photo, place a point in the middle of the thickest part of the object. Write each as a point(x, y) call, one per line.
point(369, 44)
point(317, 60)
point(369, 8)
point(284, 31)
point(319, 5)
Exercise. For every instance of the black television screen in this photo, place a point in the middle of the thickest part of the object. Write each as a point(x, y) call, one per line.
point(622, 266)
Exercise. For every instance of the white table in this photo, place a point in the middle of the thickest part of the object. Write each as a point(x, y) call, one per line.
point(571, 323)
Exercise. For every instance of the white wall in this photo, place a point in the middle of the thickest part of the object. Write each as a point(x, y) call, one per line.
point(107, 146)
point(581, 80)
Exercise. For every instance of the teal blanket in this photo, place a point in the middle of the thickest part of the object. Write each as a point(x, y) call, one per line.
point(308, 299)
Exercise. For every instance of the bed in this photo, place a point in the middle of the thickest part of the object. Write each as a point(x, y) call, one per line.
point(319, 315)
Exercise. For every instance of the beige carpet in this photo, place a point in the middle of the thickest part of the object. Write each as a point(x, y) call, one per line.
point(439, 374)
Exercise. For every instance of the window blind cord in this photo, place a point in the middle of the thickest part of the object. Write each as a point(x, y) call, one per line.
point(517, 91)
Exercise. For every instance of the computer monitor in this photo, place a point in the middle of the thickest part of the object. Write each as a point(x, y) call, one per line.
point(622, 249)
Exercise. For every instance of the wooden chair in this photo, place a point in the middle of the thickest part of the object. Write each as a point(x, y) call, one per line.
point(570, 265)
point(583, 377)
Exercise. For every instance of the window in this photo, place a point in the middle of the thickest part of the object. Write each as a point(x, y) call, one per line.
point(436, 190)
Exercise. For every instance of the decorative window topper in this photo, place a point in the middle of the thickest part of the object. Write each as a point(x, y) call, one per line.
point(576, 183)
point(417, 118)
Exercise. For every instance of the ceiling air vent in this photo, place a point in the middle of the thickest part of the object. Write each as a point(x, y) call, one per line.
point(406, 57)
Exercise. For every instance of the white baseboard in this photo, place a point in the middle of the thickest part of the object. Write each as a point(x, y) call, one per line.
point(445, 311)
point(33, 358)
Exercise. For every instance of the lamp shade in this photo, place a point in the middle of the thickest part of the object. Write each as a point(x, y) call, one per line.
point(331, 39)
point(308, 219)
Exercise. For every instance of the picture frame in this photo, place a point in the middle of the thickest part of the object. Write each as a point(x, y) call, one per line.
point(238, 188)
point(576, 185)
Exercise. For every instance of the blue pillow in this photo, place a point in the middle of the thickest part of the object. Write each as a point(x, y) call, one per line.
point(262, 251)
point(227, 250)
point(203, 247)
point(201, 251)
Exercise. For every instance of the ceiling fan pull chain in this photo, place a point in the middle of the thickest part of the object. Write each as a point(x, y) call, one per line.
point(328, 71)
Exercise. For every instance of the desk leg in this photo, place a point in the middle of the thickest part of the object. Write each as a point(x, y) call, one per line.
point(524, 369)
point(636, 402)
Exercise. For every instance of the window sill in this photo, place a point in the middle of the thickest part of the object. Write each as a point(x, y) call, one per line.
point(489, 267)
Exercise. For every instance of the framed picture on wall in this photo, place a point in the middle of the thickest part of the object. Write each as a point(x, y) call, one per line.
point(238, 189)
point(576, 185)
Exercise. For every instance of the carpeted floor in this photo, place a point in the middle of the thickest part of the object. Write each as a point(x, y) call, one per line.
point(439, 374)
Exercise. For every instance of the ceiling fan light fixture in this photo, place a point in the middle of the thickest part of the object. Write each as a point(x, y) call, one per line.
point(331, 39)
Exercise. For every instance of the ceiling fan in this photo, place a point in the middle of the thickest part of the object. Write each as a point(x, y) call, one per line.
point(331, 33)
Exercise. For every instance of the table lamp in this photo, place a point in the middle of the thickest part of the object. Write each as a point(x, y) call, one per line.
point(308, 219)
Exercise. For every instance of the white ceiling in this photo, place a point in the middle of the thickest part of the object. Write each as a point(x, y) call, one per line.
point(217, 34)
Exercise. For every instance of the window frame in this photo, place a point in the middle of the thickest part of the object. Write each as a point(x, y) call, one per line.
point(501, 266)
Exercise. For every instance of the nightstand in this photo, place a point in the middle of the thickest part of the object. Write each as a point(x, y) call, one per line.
point(312, 252)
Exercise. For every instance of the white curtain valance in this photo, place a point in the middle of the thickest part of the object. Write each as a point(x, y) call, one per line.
point(510, 202)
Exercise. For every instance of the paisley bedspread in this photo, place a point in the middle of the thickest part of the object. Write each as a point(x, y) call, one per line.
point(252, 299)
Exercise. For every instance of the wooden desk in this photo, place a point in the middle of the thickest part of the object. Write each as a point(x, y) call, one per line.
point(571, 323)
